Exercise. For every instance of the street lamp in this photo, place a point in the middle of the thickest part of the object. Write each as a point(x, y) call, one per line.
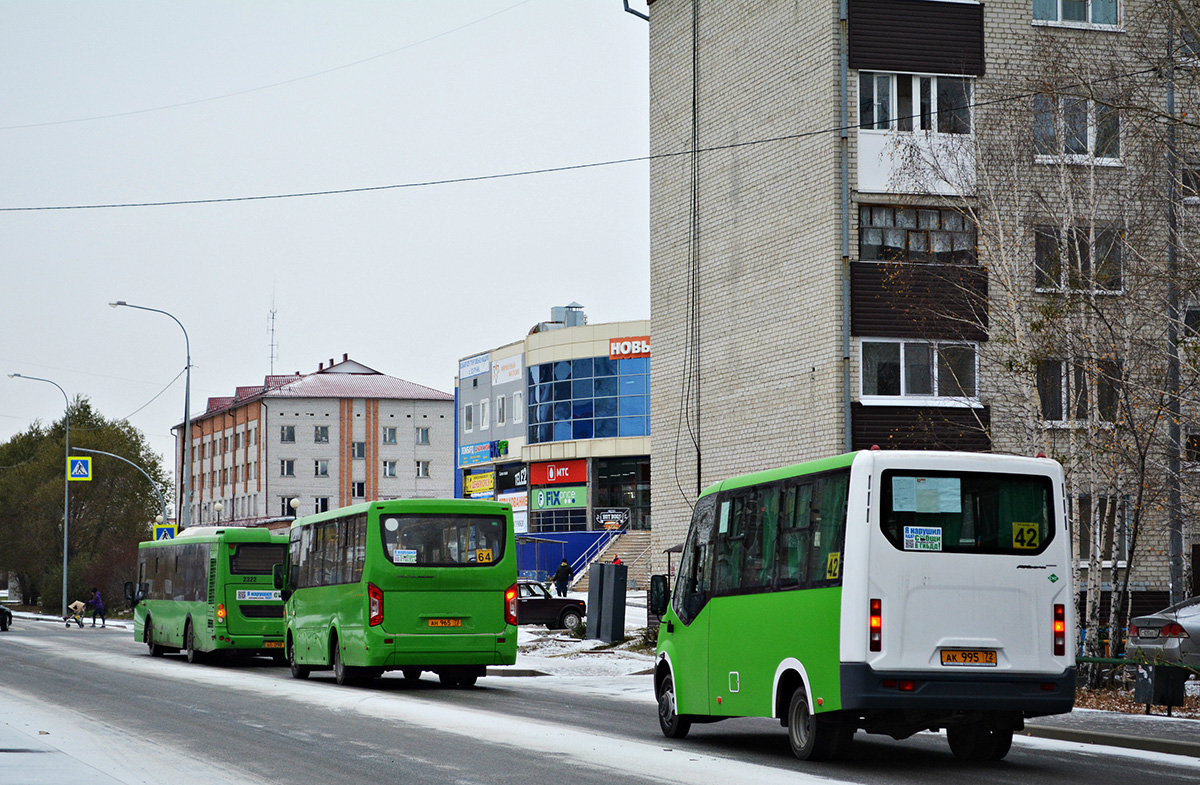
point(295, 505)
point(66, 480)
point(218, 507)
point(186, 513)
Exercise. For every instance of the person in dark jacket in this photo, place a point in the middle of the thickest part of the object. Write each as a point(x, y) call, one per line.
point(97, 607)
point(562, 577)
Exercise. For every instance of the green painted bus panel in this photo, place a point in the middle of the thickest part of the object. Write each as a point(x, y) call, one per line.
point(750, 642)
point(771, 475)
point(687, 648)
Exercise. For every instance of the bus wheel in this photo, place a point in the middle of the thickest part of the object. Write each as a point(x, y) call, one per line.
point(412, 675)
point(189, 640)
point(467, 680)
point(298, 671)
point(812, 737)
point(148, 634)
point(976, 742)
point(673, 726)
point(342, 673)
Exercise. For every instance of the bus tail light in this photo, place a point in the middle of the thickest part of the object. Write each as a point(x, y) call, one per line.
point(1060, 630)
point(375, 605)
point(510, 605)
point(221, 613)
point(876, 625)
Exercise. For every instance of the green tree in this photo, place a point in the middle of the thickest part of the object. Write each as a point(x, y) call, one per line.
point(109, 515)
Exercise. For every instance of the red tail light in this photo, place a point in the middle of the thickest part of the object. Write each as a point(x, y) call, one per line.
point(374, 605)
point(221, 613)
point(1060, 630)
point(1174, 630)
point(876, 625)
point(510, 605)
point(1133, 631)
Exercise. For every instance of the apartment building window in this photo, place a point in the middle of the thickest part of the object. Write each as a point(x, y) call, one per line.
point(1190, 184)
point(1065, 390)
point(1110, 514)
point(237, 440)
point(468, 417)
point(1075, 130)
point(518, 406)
point(358, 490)
point(359, 449)
point(389, 468)
point(321, 504)
point(483, 415)
point(1077, 260)
point(1191, 448)
point(389, 435)
point(287, 434)
point(905, 102)
point(1077, 12)
point(422, 436)
point(929, 371)
point(501, 412)
point(321, 434)
point(287, 468)
point(224, 477)
point(915, 234)
point(285, 506)
point(320, 468)
point(422, 468)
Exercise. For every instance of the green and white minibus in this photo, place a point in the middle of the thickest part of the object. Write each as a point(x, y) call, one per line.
point(884, 591)
point(210, 590)
point(409, 584)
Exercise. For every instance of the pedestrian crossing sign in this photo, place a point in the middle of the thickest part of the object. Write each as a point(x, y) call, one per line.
point(164, 532)
point(79, 468)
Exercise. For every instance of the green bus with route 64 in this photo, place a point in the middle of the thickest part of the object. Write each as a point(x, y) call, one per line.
point(884, 591)
point(210, 590)
point(412, 585)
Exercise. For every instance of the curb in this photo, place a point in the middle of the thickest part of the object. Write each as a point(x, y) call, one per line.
point(1168, 746)
point(517, 672)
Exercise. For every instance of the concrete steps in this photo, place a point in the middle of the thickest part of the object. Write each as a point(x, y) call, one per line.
point(633, 547)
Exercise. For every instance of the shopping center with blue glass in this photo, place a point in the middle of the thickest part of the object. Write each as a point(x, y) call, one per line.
point(558, 425)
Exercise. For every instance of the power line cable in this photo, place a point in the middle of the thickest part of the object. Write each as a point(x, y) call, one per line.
point(262, 87)
point(545, 170)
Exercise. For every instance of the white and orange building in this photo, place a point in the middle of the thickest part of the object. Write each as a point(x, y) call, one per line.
point(341, 435)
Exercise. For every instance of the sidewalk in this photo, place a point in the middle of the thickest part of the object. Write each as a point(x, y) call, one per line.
point(1153, 733)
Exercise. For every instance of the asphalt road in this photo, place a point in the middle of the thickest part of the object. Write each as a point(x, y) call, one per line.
point(248, 721)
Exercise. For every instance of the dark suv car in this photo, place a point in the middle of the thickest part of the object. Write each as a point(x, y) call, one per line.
point(536, 606)
point(5, 618)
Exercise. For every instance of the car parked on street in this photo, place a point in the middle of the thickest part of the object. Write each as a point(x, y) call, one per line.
point(5, 619)
point(535, 605)
point(1170, 635)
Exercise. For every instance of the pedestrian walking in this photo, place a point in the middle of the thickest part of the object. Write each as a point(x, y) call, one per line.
point(562, 577)
point(617, 560)
point(97, 608)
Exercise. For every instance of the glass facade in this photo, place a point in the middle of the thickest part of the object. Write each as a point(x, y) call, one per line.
point(588, 398)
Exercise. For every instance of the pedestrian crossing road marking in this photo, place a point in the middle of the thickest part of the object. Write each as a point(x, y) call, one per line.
point(79, 468)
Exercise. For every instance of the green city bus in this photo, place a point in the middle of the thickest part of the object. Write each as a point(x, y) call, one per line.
point(210, 590)
point(409, 584)
point(884, 591)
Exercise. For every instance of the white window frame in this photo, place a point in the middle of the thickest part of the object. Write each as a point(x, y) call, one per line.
point(320, 504)
point(483, 415)
point(422, 469)
point(287, 467)
point(891, 121)
point(320, 434)
point(501, 410)
point(1068, 372)
point(358, 490)
point(389, 435)
point(518, 406)
point(905, 399)
point(389, 469)
point(1087, 24)
point(468, 416)
point(1066, 271)
point(358, 450)
point(1060, 135)
point(287, 434)
point(320, 468)
point(422, 435)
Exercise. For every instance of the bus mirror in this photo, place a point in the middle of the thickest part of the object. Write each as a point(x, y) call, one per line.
point(129, 591)
point(660, 595)
point(284, 594)
point(277, 575)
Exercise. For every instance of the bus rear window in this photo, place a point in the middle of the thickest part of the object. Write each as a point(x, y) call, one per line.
point(967, 512)
point(443, 540)
point(255, 558)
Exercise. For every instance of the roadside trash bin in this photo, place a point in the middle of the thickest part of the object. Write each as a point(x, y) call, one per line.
point(1159, 685)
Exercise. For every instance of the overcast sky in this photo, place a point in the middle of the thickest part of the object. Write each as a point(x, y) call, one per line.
point(135, 102)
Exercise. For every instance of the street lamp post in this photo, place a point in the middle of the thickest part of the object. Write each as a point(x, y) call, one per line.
point(66, 480)
point(217, 508)
point(186, 513)
point(161, 502)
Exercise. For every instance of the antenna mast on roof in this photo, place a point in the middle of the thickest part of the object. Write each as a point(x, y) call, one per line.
point(272, 346)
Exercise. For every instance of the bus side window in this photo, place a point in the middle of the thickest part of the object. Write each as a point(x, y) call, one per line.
point(760, 547)
point(796, 539)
